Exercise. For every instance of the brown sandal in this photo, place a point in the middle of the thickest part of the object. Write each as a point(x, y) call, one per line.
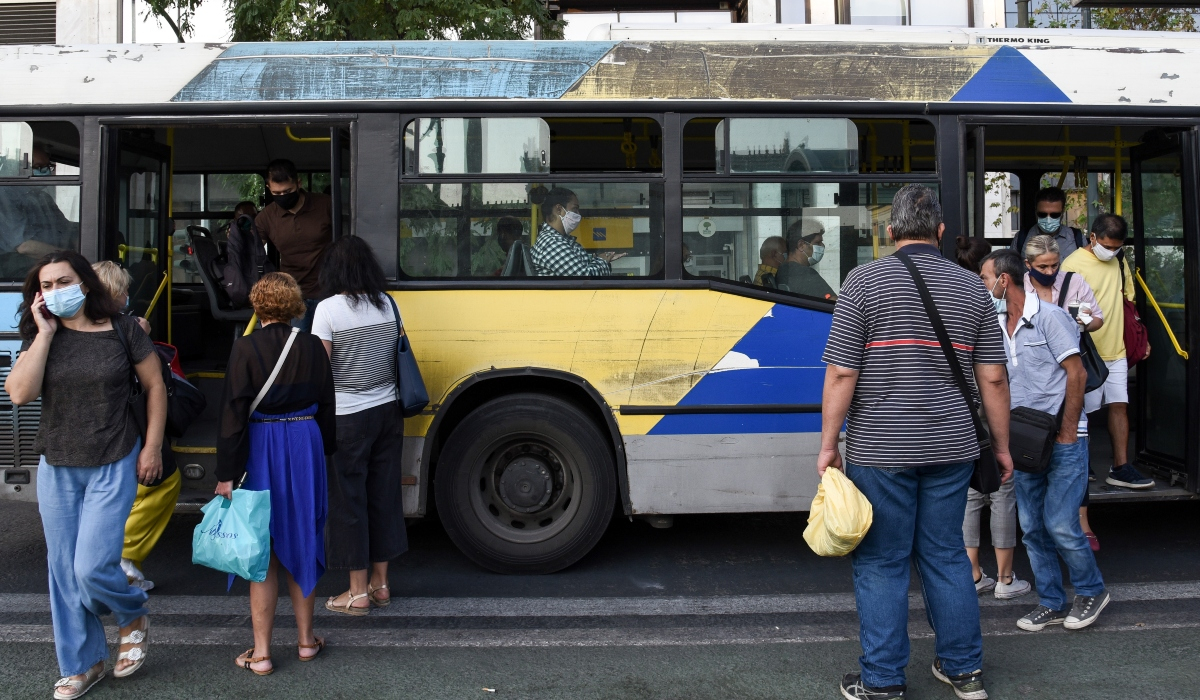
point(247, 660)
point(319, 645)
point(379, 602)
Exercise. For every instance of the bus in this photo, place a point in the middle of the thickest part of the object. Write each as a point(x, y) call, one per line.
point(681, 381)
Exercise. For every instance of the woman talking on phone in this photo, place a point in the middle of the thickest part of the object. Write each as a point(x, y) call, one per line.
point(92, 457)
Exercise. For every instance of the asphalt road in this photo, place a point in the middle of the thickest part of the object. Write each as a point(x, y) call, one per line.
point(715, 607)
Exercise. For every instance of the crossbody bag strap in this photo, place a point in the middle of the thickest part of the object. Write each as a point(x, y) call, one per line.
point(1062, 293)
point(262, 393)
point(944, 340)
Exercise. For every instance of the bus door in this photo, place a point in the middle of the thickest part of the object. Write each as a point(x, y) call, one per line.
point(1163, 184)
point(136, 192)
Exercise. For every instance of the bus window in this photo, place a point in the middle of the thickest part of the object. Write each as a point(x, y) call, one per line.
point(797, 237)
point(513, 145)
point(39, 193)
point(508, 229)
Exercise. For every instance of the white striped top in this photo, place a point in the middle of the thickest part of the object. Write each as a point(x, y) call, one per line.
point(364, 351)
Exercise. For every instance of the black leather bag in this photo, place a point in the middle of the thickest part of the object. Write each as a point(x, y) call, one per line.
point(986, 477)
point(1031, 435)
point(1093, 364)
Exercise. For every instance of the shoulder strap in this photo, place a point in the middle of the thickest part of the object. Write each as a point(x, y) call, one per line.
point(1062, 293)
point(1121, 262)
point(1078, 237)
point(133, 380)
point(262, 393)
point(943, 337)
point(1022, 236)
point(396, 313)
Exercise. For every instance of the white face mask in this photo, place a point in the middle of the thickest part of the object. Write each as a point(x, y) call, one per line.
point(818, 252)
point(570, 221)
point(1103, 254)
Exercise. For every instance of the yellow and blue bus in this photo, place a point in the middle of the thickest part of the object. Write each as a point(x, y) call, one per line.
point(683, 380)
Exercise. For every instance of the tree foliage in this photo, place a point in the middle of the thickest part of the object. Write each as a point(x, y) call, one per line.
point(1060, 14)
point(169, 10)
point(376, 20)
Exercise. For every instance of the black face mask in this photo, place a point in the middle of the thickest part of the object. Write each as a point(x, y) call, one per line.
point(287, 201)
point(1042, 278)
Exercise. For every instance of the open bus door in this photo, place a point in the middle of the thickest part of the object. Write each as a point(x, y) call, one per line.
point(136, 195)
point(1165, 239)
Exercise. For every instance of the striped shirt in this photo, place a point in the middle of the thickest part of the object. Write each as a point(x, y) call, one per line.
point(907, 410)
point(364, 351)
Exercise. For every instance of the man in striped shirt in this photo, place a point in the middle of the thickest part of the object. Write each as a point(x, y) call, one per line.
point(911, 445)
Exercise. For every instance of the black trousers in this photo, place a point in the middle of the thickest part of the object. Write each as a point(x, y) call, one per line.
point(366, 516)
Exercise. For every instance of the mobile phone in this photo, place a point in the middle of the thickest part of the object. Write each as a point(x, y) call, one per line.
point(45, 312)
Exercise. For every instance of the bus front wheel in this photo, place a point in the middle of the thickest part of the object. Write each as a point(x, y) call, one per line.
point(526, 484)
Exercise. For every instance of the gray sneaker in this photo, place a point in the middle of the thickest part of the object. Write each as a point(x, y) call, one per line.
point(984, 584)
point(1041, 616)
point(1086, 610)
point(1013, 589)
point(967, 686)
point(853, 689)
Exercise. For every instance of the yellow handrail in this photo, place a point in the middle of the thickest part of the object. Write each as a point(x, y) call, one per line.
point(162, 285)
point(1162, 317)
point(306, 139)
point(251, 324)
point(122, 249)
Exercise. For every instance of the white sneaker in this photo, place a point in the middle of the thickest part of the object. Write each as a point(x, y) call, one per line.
point(1013, 589)
point(984, 584)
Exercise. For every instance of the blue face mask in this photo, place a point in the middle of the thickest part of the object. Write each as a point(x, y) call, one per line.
point(43, 172)
point(1049, 225)
point(1001, 304)
point(65, 302)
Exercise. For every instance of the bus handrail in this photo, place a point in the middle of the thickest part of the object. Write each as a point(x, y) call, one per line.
point(1161, 316)
point(306, 139)
point(251, 324)
point(162, 285)
point(122, 249)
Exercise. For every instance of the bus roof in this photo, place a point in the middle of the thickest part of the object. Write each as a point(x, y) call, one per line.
point(764, 62)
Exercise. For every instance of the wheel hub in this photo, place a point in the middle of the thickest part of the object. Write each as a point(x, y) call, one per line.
point(526, 484)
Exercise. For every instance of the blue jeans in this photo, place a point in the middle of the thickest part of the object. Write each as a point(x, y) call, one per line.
point(83, 515)
point(918, 516)
point(1048, 506)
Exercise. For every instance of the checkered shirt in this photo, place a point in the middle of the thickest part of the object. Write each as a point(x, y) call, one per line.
point(559, 255)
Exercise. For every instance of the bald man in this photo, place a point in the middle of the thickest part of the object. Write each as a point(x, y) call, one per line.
point(773, 253)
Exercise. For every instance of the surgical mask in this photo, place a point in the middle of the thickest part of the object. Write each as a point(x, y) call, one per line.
point(1042, 278)
point(1001, 304)
point(1049, 225)
point(66, 301)
point(570, 221)
point(1103, 254)
point(818, 252)
point(43, 172)
point(287, 201)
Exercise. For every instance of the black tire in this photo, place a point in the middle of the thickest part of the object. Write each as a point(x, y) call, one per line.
point(526, 484)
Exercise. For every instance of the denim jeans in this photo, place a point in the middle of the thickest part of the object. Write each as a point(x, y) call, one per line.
point(918, 516)
point(1048, 506)
point(83, 515)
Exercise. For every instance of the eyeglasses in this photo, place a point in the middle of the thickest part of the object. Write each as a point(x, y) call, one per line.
point(1055, 215)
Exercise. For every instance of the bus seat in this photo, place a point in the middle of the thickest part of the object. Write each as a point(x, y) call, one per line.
point(207, 258)
point(746, 279)
point(519, 263)
point(770, 282)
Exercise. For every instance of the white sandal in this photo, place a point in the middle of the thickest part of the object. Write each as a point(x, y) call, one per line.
point(78, 688)
point(348, 608)
point(137, 654)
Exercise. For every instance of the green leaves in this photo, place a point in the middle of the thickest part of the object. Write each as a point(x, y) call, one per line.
point(167, 10)
point(383, 20)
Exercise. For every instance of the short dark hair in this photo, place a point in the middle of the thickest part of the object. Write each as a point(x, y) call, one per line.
point(350, 268)
point(509, 226)
point(1110, 226)
point(559, 196)
point(282, 170)
point(805, 230)
point(1006, 262)
point(916, 213)
point(98, 305)
point(970, 252)
point(1051, 194)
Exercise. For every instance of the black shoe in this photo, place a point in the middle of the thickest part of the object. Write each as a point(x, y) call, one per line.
point(968, 686)
point(1041, 616)
point(1128, 477)
point(853, 689)
point(1086, 610)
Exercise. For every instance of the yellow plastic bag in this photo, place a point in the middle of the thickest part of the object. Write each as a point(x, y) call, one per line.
point(839, 517)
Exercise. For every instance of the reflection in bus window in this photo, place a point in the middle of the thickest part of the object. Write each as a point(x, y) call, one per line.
point(790, 145)
point(513, 145)
point(824, 230)
point(35, 220)
point(471, 229)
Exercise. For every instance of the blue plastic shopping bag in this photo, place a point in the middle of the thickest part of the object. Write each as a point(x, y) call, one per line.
point(235, 535)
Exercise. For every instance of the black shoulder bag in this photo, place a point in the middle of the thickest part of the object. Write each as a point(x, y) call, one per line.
point(1097, 371)
point(986, 477)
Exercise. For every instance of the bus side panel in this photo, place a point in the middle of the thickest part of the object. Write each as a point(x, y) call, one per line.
point(18, 424)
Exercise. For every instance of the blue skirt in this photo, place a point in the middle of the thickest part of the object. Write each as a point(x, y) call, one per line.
point(288, 458)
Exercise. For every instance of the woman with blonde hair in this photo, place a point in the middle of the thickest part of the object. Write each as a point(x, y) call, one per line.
point(155, 502)
point(281, 446)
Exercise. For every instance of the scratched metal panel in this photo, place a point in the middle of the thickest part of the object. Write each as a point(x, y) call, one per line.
point(394, 70)
point(782, 71)
point(734, 473)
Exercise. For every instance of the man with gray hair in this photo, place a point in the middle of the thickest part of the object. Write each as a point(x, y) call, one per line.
point(1046, 375)
point(773, 254)
point(911, 444)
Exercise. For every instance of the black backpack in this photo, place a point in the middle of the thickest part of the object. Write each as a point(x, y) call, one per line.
point(1024, 236)
point(245, 261)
